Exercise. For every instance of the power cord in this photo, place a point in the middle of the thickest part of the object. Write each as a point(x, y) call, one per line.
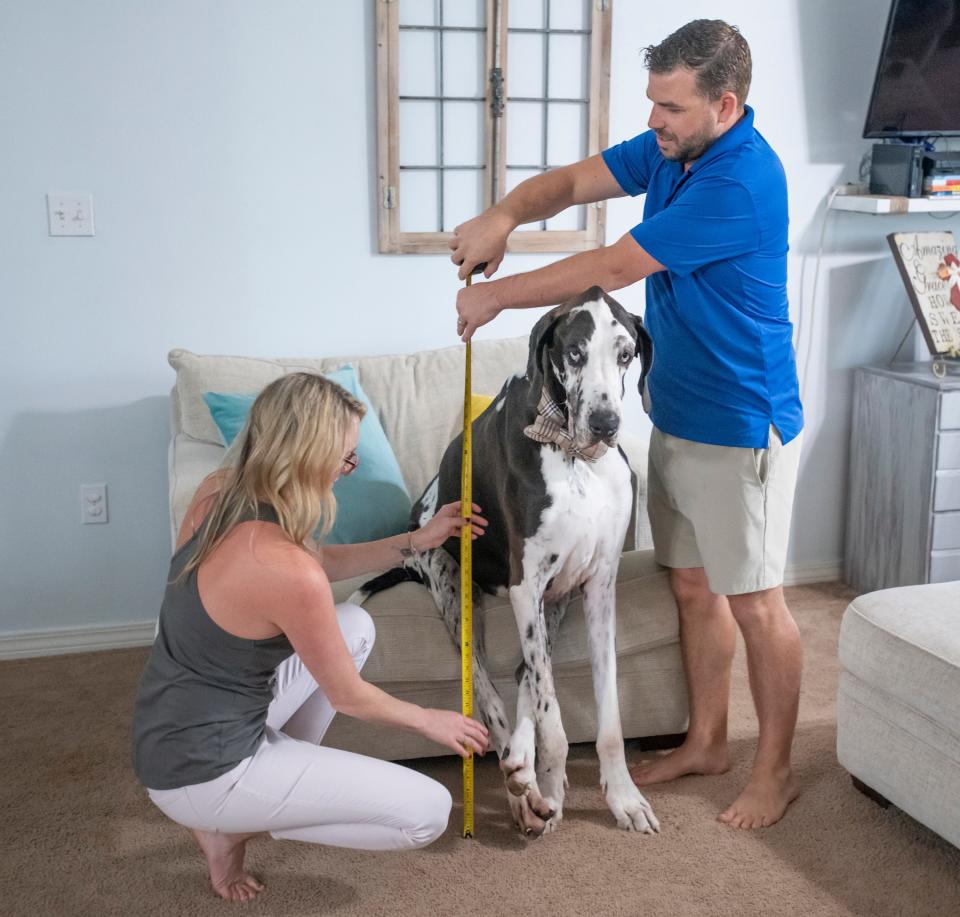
point(804, 320)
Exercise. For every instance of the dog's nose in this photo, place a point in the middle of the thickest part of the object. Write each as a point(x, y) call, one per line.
point(603, 423)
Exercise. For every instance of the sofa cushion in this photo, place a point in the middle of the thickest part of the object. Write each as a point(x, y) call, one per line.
point(410, 630)
point(905, 642)
point(372, 502)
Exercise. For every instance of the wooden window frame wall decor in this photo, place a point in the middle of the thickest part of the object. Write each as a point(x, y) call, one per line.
point(494, 167)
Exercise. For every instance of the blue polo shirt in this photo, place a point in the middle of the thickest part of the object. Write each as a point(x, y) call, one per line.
point(724, 367)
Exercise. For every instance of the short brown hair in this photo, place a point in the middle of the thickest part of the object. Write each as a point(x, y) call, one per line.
point(715, 51)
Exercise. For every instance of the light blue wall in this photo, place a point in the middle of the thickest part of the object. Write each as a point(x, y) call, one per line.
point(230, 149)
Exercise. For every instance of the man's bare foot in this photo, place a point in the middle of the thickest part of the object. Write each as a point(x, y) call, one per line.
point(224, 853)
point(687, 759)
point(763, 801)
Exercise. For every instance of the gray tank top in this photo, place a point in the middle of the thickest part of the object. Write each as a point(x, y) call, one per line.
point(203, 698)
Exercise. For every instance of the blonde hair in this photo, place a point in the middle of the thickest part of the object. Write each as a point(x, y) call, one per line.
point(287, 456)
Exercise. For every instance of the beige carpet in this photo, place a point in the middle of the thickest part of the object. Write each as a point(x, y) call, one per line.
point(80, 838)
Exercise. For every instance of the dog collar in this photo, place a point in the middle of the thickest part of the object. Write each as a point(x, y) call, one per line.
point(551, 425)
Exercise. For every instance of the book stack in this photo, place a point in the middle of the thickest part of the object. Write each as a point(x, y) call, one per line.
point(942, 185)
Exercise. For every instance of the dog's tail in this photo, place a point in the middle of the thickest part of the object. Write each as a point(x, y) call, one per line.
point(385, 581)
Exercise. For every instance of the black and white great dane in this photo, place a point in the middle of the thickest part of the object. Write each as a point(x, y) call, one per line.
point(556, 490)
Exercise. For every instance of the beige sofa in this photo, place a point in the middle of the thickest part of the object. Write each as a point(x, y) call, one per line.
point(418, 399)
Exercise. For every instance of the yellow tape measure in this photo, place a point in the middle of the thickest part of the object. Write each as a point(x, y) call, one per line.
point(466, 588)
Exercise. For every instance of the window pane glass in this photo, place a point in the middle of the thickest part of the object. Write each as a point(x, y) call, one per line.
point(566, 133)
point(525, 65)
point(417, 65)
point(418, 202)
point(463, 133)
point(524, 138)
point(463, 64)
point(568, 66)
point(525, 14)
point(462, 197)
point(514, 177)
point(571, 218)
point(418, 12)
point(464, 12)
point(418, 133)
point(569, 14)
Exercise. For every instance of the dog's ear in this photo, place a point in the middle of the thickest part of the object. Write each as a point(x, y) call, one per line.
point(538, 360)
point(645, 352)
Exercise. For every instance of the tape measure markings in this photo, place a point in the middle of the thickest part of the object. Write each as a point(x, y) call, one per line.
point(466, 586)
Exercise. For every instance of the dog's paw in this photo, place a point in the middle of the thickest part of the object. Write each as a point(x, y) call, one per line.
point(533, 814)
point(631, 809)
point(553, 785)
point(554, 821)
point(519, 773)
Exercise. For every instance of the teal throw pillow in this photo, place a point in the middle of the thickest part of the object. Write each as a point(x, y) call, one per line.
point(373, 501)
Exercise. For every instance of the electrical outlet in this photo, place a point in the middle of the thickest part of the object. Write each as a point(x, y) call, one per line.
point(70, 213)
point(93, 504)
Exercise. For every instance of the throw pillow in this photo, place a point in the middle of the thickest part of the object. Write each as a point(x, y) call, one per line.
point(478, 404)
point(372, 502)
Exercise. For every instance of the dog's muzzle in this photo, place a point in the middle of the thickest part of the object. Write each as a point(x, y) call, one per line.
point(551, 427)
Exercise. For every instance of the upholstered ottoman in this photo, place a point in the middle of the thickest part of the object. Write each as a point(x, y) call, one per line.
point(898, 704)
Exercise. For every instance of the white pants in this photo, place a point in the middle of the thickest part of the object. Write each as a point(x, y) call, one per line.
point(295, 788)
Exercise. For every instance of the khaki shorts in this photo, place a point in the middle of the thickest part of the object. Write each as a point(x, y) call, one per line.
point(724, 508)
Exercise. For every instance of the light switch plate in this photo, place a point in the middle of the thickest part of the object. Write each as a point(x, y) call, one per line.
point(70, 213)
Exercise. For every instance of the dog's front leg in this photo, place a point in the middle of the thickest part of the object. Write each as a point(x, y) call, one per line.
point(631, 810)
point(535, 807)
point(441, 574)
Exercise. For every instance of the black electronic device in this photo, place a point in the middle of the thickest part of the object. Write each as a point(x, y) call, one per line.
point(915, 89)
point(941, 161)
point(897, 169)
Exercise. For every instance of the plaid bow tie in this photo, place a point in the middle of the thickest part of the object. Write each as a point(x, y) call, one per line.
point(551, 427)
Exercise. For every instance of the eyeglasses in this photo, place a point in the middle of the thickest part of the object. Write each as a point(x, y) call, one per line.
point(350, 463)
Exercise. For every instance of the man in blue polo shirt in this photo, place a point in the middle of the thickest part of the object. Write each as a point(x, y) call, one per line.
point(723, 389)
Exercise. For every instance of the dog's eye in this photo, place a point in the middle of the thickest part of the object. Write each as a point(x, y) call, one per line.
point(625, 357)
point(574, 355)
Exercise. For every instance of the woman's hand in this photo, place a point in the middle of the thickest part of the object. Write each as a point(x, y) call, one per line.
point(454, 730)
point(447, 523)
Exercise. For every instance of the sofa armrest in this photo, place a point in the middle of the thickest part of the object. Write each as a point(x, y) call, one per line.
point(639, 536)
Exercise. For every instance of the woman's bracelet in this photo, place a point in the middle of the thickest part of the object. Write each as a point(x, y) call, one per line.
point(410, 550)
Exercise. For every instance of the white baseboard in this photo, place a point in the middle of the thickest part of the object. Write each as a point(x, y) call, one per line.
point(54, 641)
point(829, 572)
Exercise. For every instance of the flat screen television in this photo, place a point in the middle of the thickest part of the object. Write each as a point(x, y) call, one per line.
point(916, 92)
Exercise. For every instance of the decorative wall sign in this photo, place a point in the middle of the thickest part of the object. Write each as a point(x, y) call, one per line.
point(930, 269)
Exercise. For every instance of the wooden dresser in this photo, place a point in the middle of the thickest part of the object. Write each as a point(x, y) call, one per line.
point(903, 516)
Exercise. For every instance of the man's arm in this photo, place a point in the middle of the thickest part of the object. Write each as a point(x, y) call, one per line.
point(611, 268)
point(484, 238)
point(546, 195)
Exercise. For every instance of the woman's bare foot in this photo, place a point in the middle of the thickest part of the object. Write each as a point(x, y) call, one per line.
point(224, 853)
point(687, 759)
point(762, 802)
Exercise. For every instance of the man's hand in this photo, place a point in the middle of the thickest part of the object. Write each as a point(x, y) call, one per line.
point(476, 306)
point(484, 238)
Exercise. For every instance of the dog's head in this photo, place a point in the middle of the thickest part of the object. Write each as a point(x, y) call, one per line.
point(580, 352)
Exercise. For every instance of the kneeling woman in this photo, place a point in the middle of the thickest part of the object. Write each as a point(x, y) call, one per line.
point(253, 658)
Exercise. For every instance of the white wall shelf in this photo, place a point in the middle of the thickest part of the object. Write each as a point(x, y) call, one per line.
point(879, 204)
